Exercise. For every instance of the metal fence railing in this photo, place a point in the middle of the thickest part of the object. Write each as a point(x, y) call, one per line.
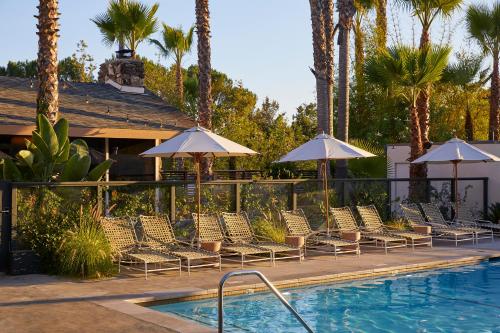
point(61, 204)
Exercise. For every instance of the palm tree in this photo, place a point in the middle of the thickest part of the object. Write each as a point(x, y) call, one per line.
point(483, 25)
point(381, 24)
point(463, 74)
point(319, 49)
point(128, 23)
point(204, 73)
point(347, 10)
point(47, 101)
point(410, 70)
point(204, 63)
point(178, 44)
point(327, 10)
point(427, 11)
point(362, 8)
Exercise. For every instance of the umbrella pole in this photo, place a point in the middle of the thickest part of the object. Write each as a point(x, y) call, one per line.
point(325, 191)
point(198, 196)
point(455, 175)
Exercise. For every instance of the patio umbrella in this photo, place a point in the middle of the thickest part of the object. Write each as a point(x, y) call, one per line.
point(198, 142)
point(323, 148)
point(456, 151)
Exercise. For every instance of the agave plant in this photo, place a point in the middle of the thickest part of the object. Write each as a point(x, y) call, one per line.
point(50, 156)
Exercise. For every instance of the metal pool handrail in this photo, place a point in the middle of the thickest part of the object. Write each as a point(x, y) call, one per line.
point(268, 284)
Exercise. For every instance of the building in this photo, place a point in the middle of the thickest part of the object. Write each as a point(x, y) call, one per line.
point(117, 117)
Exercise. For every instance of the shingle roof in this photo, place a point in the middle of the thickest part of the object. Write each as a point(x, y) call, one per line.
point(91, 105)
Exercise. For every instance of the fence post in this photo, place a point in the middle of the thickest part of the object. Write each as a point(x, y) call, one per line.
point(99, 200)
point(293, 197)
point(486, 198)
point(172, 203)
point(389, 197)
point(5, 223)
point(237, 197)
point(452, 191)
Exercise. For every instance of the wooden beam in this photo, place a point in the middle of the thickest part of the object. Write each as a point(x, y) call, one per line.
point(87, 132)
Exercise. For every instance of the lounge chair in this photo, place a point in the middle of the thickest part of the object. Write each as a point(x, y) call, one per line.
point(240, 230)
point(434, 215)
point(466, 217)
point(126, 250)
point(159, 235)
point(345, 222)
point(210, 230)
point(414, 217)
point(373, 223)
point(297, 225)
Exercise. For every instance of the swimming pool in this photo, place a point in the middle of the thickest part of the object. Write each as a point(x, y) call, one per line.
point(465, 299)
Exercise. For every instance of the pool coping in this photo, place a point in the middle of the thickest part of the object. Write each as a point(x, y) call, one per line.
point(137, 306)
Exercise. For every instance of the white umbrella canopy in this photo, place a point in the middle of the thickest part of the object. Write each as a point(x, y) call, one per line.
point(456, 151)
point(324, 147)
point(198, 142)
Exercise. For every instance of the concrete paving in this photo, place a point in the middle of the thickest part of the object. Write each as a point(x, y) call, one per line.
point(41, 303)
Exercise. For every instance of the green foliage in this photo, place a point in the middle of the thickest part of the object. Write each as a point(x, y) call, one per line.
point(494, 212)
point(84, 250)
point(43, 217)
point(50, 156)
point(127, 22)
point(79, 67)
point(374, 167)
point(25, 68)
point(483, 25)
point(175, 42)
point(398, 224)
point(269, 229)
point(407, 70)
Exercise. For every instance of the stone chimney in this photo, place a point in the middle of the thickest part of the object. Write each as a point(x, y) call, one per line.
point(125, 74)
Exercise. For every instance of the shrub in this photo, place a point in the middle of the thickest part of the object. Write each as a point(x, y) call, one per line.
point(398, 224)
point(268, 229)
point(84, 250)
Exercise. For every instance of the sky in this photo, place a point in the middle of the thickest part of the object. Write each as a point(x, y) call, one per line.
point(265, 44)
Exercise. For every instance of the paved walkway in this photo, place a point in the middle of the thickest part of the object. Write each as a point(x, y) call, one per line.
point(40, 303)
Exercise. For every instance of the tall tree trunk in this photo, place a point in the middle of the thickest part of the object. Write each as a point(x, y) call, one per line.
point(346, 13)
point(47, 101)
point(469, 124)
point(423, 111)
point(381, 24)
point(204, 74)
point(494, 130)
point(329, 28)
point(359, 64)
point(319, 53)
point(180, 84)
point(417, 189)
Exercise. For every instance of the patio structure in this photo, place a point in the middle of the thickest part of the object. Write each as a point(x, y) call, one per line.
point(118, 118)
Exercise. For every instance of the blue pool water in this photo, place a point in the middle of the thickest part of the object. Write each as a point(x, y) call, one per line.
point(465, 299)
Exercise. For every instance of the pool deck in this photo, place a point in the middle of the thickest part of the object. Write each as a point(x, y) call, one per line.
point(41, 303)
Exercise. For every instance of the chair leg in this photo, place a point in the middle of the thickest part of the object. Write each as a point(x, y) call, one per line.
point(220, 263)
point(146, 270)
point(385, 247)
point(189, 267)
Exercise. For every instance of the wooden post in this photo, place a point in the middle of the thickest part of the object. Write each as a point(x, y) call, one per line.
point(172, 203)
point(106, 178)
point(157, 178)
point(293, 197)
point(237, 197)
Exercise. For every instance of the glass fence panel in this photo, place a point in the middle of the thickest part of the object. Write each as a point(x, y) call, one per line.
point(44, 213)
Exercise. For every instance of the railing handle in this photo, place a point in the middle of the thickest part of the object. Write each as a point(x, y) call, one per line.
point(268, 283)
